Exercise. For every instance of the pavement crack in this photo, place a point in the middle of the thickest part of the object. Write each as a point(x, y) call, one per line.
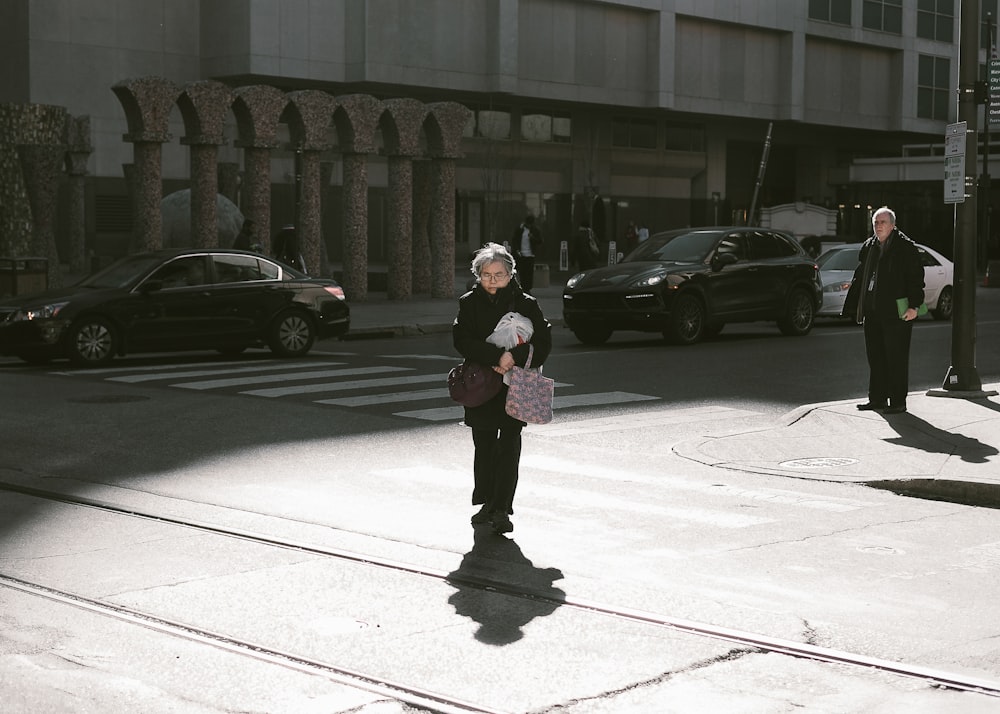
point(728, 656)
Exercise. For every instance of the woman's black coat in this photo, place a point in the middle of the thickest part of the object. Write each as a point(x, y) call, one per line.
point(478, 315)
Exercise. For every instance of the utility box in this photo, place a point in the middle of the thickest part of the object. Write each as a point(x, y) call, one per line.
point(23, 276)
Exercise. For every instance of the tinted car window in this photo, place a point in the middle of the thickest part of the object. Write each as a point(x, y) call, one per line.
point(771, 245)
point(845, 259)
point(691, 247)
point(237, 268)
point(121, 273)
point(734, 243)
point(182, 272)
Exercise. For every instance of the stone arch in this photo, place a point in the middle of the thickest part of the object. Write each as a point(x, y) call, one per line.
point(204, 106)
point(309, 114)
point(147, 102)
point(258, 110)
point(356, 120)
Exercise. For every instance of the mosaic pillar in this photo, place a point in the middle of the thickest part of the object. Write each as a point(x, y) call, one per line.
point(147, 102)
point(41, 166)
point(400, 278)
point(78, 152)
point(442, 229)
point(422, 197)
point(229, 180)
point(325, 174)
point(445, 126)
point(204, 187)
point(355, 194)
point(357, 122)
point(308, 220)
point(204, 106)
point(258, 110)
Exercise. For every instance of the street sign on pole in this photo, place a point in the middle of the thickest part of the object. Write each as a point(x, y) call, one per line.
point(993, 85)
point(954, 163)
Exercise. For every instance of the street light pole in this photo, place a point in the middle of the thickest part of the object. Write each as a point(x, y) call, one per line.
point(962, 379)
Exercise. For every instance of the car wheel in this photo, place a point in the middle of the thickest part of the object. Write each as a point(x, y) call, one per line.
point(291, 334)
point(799, 315)
point(592, 335)
point(91, 342)
point(945, 305)
point(688, 320)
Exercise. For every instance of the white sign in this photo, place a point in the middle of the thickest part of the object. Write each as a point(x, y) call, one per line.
point(954, 163)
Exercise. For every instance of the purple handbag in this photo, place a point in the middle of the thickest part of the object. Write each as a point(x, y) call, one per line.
point(472, 385)
point(529, 394)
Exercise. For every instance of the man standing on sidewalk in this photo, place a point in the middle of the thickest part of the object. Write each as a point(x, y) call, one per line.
point(887, 290)
point(526, 243)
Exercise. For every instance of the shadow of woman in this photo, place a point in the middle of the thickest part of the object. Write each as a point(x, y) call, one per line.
point(499, 588)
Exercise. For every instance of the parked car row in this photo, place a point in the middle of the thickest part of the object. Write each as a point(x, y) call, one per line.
point(225, 300)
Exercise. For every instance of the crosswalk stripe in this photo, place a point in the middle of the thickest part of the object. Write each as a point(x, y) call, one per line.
point(658, 417)
point(152, 377)
point(90, 371)
point(343, 386)
point(287, 377)
point(389, 398)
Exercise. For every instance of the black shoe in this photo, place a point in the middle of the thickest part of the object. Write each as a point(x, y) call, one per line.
point(871, 407)
point(894, 410)
point(483, 515)
point(501, 522)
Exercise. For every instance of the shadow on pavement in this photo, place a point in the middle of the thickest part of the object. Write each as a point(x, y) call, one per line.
point(499, 588)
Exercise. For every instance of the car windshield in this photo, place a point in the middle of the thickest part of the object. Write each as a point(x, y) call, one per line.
point(691, 247)
point(839, 259)
point(122, 273)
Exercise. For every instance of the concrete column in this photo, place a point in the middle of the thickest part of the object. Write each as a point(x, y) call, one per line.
point(422, 197)
point(308, 223)
point(443, 228)
point(400, 285)
point(257, 194)
point(356, 227)
point(40, 167)
point(204, 189)
point(147, 189)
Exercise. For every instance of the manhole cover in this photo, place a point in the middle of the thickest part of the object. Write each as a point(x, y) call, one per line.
point(819, 463)
point(110, 399)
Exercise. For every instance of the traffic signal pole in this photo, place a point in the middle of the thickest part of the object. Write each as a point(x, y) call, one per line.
point(962, 379)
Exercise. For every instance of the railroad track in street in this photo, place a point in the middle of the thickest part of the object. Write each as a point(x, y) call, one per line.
point(744, 642)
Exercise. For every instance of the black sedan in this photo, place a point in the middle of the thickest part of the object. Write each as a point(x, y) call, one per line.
point(225, 300)
point(688, 283)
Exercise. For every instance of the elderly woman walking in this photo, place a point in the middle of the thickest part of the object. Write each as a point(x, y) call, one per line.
point(496, 436)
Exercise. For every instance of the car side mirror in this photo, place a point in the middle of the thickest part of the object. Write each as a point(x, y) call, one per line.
point(721, 260)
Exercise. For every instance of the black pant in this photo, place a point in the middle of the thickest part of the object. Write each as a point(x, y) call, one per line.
point(526, 272)
point(887, 344)
point(495, 466)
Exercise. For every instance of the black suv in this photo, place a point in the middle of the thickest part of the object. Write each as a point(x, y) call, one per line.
point(688, 283)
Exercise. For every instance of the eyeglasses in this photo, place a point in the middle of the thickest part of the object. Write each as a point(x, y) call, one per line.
point(494, 277)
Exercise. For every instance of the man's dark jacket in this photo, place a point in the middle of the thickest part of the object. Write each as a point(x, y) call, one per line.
point(899, 274)
point(478, 315)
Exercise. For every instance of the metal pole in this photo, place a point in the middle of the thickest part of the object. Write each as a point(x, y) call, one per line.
point(760, 174)
point(962, 379)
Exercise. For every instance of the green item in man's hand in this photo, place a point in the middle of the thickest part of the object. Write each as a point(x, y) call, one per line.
point(903, 304)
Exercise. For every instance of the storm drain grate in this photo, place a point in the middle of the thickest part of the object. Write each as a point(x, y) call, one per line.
point(818, 463)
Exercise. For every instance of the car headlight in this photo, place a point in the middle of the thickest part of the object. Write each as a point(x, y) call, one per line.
point(39, 312)
point(837, 287)
point(649, 281)
point(571, 283)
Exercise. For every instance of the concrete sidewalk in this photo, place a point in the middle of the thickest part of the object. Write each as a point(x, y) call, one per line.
point(946, 445)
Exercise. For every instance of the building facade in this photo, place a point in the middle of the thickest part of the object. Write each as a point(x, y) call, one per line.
point(614, 111)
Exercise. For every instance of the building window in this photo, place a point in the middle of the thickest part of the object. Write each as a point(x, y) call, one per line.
point(883, 15)
point(634, 133)
point(546, 126)
point(491, 123)
point(684, 137)
point(936, 20)
point(838, 11)
point(932, 87)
